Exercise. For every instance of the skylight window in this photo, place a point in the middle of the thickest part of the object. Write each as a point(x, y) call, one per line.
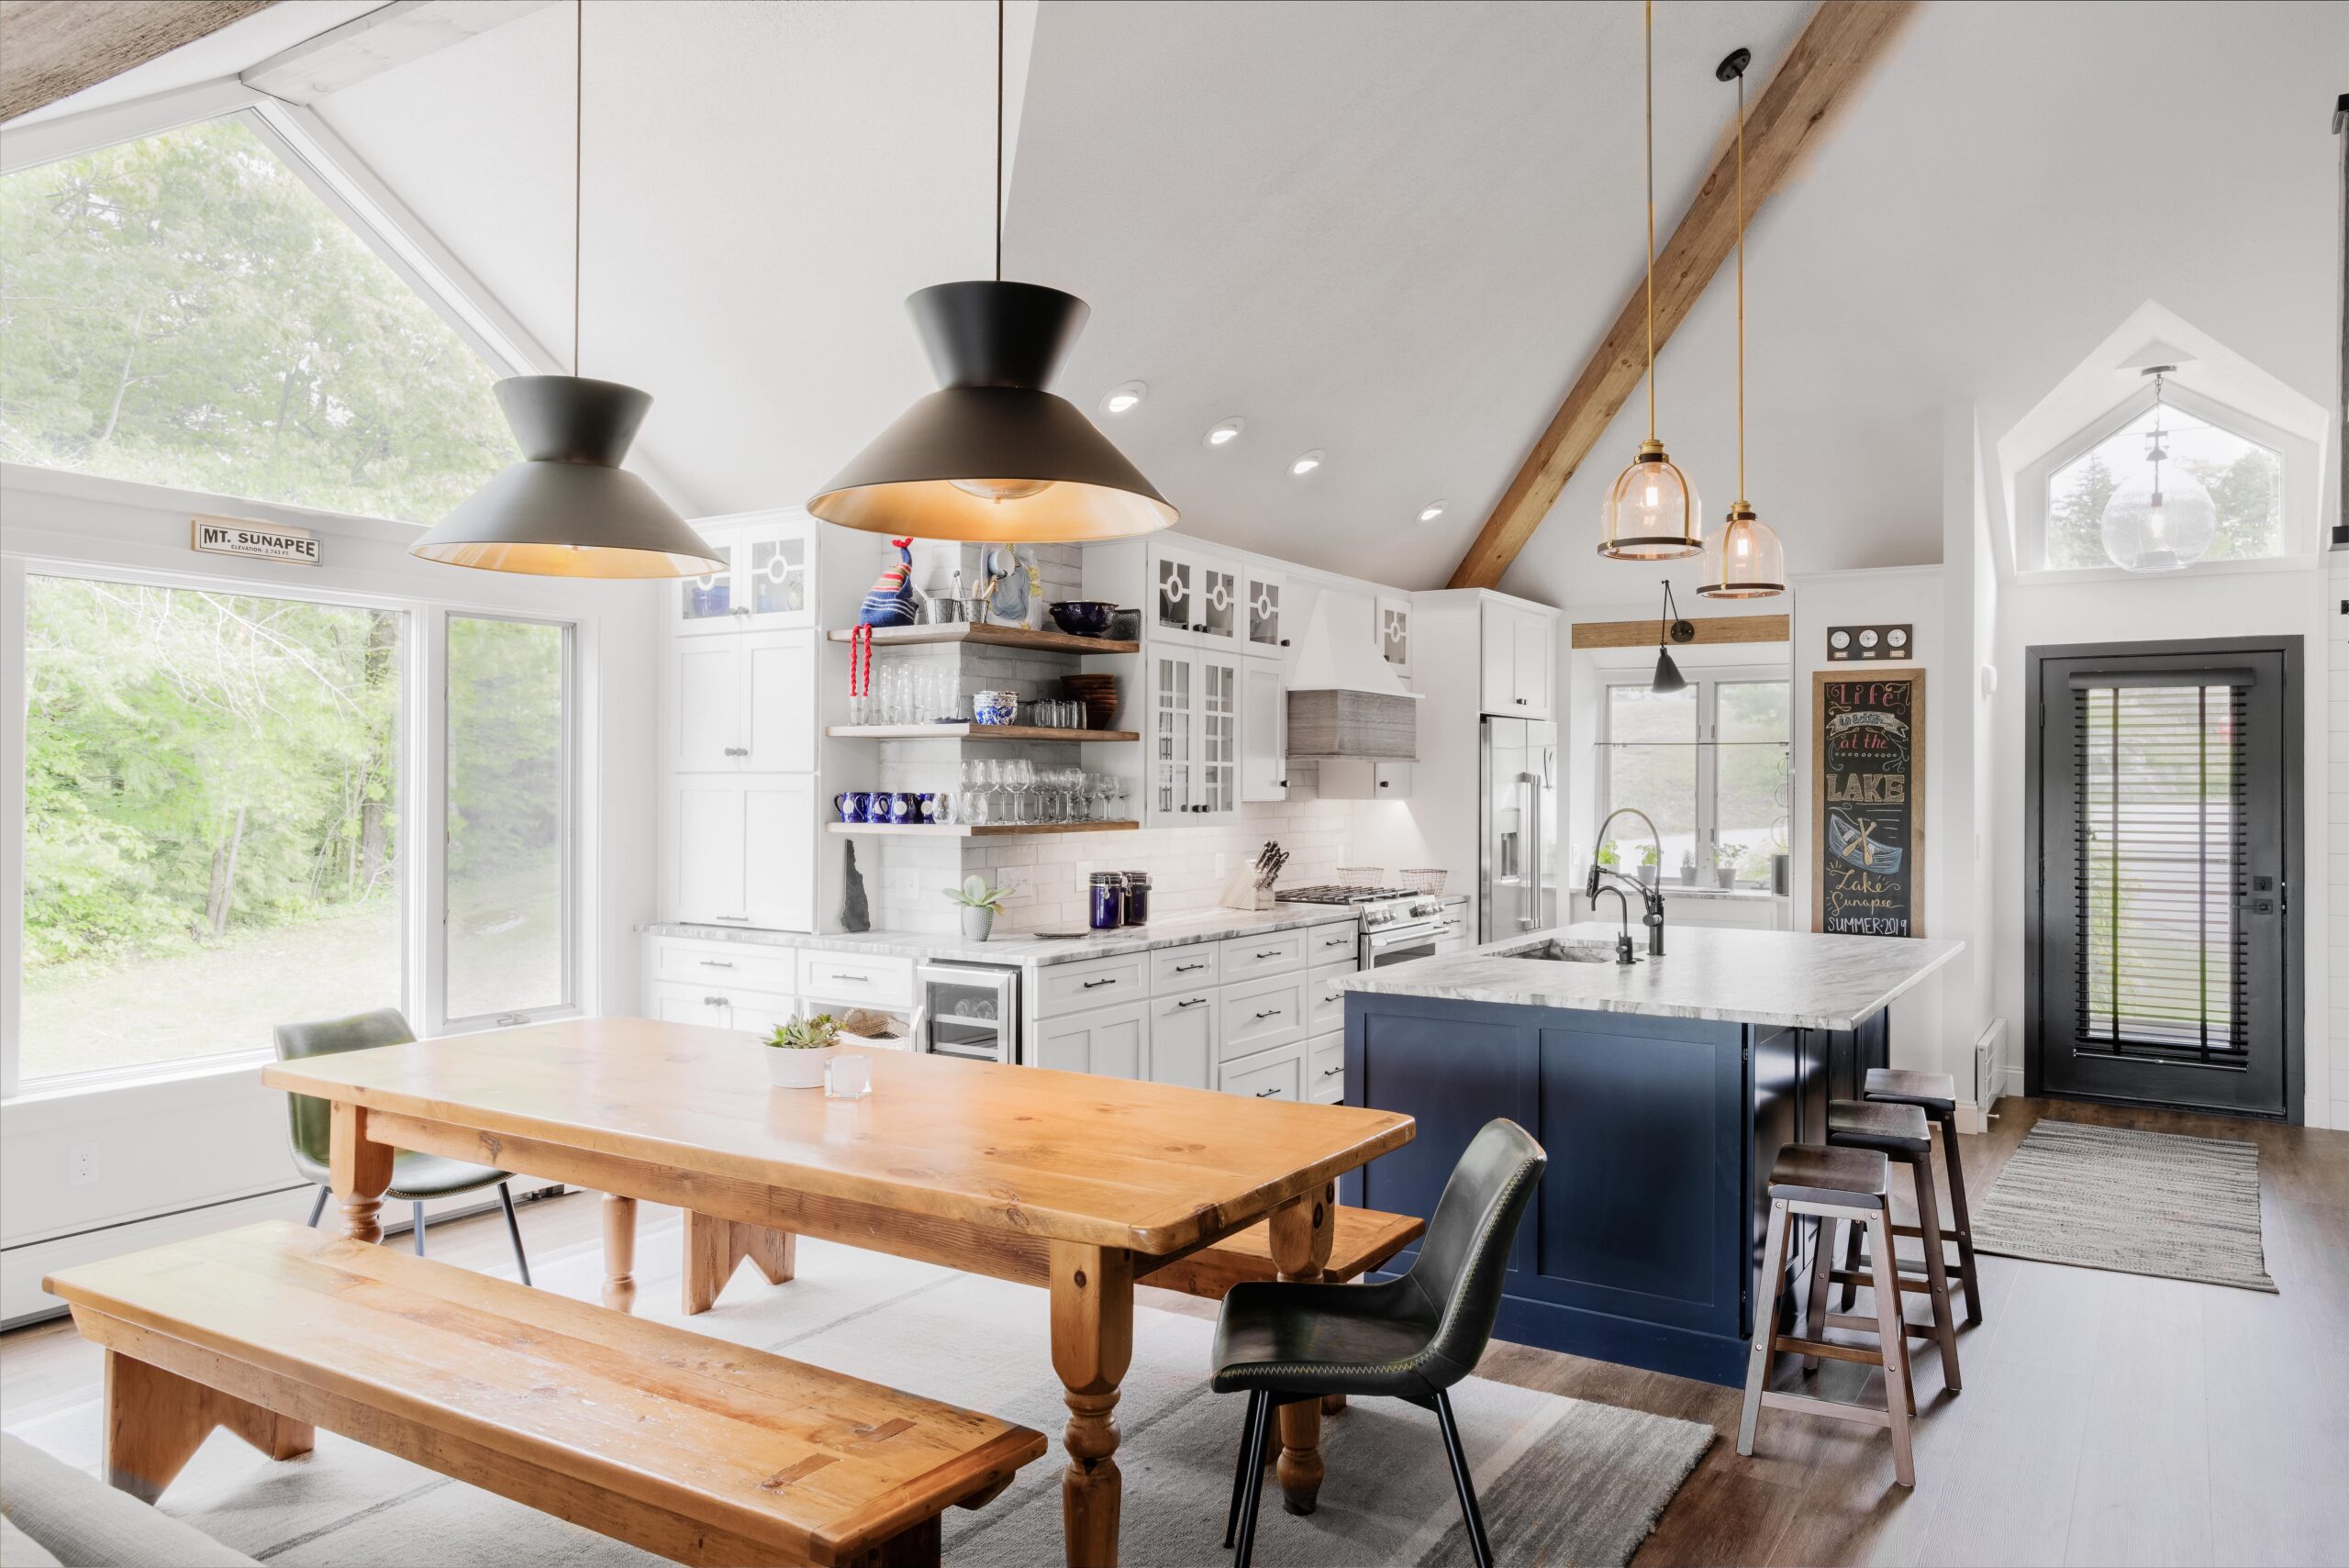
point(186, 310)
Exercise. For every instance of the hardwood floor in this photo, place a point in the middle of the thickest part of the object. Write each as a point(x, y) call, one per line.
point(2107, 1418)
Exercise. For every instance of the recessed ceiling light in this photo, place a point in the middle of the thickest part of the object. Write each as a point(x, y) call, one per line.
point(1308, 462)
point(1431, 511)
point(1123, 397)
point(1227, 432)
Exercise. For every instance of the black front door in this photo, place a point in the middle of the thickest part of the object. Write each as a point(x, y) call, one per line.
point(2167, 793)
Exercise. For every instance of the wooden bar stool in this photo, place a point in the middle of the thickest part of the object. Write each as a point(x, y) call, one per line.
point(1935, 1093)
point(1831, 1183)
point(1898, 1133)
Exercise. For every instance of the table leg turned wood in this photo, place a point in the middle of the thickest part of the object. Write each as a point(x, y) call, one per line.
point(619, 1252)
point(1093, 1342)
point(358, 1169)
point(1301, 1236)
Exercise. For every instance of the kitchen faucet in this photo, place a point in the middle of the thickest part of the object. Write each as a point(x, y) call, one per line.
point(1651, 897)
point(1623, 953)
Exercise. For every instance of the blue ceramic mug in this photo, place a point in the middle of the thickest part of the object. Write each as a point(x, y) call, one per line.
point(926, 806)
point(904, 807)
point(851, 805)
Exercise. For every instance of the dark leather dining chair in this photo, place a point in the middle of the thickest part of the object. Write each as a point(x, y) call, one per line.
point(415, 1177)
point(1410, 1338)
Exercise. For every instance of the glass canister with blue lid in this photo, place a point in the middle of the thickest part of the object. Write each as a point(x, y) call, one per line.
point(1109, 901)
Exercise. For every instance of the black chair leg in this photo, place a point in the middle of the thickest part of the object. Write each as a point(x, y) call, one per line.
point(1460, 1478)
point(1254, 1467)
point(514, 1231)
point(416, 1209)
point(318, 1207)
point(1239, 1475)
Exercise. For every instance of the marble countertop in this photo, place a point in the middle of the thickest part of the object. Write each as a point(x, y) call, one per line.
point(1794, 979)
point(1028, 948)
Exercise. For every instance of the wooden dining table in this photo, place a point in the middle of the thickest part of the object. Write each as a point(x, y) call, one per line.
point(1079, 1183)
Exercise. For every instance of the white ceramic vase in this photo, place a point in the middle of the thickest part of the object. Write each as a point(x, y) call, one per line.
point(977, 921)
point(798, 1068)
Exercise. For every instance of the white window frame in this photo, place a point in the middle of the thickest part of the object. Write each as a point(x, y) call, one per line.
point(1707, 684)
point(2295, 456)
point(423, 729)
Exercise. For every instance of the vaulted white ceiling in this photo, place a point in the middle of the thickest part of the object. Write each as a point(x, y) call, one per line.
point(1390, 230)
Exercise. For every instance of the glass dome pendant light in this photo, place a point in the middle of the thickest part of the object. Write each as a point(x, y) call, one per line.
point(1651, 511)
point(992, 456)
point(568, 509)
point(1745, 559)
point(2150, 526)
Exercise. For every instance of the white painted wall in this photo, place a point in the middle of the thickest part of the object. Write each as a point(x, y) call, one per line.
point(215, 1136)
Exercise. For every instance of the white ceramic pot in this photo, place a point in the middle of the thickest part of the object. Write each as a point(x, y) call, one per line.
point(798, 1069)
point(977, 921)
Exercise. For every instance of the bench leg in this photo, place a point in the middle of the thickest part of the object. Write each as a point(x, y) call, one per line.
point(157, 1419)
point(715, 1248)
point(916, 1546)
point(619, 1252)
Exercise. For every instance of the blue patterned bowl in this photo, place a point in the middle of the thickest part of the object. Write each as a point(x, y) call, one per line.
point(994, 707)
point(1084, 618)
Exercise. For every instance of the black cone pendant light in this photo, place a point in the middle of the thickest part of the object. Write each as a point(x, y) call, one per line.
point(568, 509)
point(991, 455)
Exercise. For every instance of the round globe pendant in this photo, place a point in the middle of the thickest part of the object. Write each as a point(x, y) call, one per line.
point(1651, 511)
point(1742, 560)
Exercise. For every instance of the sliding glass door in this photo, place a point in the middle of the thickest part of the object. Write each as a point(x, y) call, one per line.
point(2166, 810)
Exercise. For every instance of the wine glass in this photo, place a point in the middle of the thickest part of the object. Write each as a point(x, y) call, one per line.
point(1020, 780)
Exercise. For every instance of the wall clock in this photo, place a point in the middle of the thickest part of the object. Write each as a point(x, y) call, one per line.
point(1849, 644)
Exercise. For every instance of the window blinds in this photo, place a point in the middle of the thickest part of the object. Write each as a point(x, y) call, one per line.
point(2160, 776)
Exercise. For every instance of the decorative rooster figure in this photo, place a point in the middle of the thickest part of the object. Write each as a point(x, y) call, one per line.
point(890, 600)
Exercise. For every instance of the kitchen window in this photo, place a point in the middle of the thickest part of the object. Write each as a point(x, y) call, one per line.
point(1711, 764)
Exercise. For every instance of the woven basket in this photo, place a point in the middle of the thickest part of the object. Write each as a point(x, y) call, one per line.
point(1421, 879)
point(1362, 876)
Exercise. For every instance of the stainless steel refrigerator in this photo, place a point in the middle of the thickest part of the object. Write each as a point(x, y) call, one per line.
point(1516, 857)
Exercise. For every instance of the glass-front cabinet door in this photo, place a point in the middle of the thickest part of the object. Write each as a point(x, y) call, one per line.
point(1174, 717)
point(1221, 612)
point(777, 570)
point(707, 604)
point(1217, 774)
point(1267, 625)
point(1175, 596)
point(768, 583)
point(1394, 633)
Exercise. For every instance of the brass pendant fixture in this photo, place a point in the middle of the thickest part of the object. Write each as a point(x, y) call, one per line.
point(1652, 512)
point(568, 509)
point(1745, 559)
point(992, 456)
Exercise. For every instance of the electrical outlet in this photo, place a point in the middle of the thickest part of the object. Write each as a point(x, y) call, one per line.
point(82, 1164)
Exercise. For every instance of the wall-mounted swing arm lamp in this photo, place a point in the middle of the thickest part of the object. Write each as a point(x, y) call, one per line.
point(1668, 678)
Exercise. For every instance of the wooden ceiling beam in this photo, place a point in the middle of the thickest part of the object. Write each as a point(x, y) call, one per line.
point(53, 49)
point(1839, 46)
point(1709, 629)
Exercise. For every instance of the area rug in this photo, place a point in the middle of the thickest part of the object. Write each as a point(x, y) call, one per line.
point(2136, 1203)
point(1563, 1481)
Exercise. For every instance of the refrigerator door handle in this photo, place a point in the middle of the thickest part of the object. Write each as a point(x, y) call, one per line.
point(1531, 827)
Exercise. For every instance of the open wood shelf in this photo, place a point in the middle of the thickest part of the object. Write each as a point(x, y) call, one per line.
point(994, 636)
point(978, 829)
point(974, 732)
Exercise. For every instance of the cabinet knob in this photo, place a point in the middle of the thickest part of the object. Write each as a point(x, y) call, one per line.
point(738, 751)
point(1284, 642)
point(1385, 782)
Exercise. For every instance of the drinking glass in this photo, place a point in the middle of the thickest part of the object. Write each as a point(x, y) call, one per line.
point(848, 1076)
point(1020, 780)
point(975, 793)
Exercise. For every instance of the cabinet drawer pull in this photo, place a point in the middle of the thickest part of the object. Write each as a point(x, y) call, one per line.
point(1105, 980)
point(738, 751)
point(1338, 943)
point(1270, 1013)
point(1274, 953)
point(1186, 968)
point(743, 920)
point(1192, 1003)
point(713, 1001)
point(1331, 1072)
point(844, 974)
point(1266, 1093)
point(717, 963)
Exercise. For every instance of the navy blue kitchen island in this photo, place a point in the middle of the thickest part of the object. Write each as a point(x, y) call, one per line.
point(1662, 1094)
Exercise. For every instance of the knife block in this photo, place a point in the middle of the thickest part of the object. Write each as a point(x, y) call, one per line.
point(1243, 893)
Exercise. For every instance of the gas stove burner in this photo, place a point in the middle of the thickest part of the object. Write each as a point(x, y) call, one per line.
point(1333, 893)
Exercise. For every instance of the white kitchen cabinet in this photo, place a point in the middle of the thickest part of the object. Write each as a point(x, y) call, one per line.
point(1262, 1014)
point(1192, 715)
point(717, 1005)
point(1266, 624)
point(1263, 731)
point(1275, 1075)
point(1222, 621)
point(745, 850)
point(743, 704)
point(1184, 1044)
point(1113, 1041)
point(1197, 598)
point(1358, 778)
point(1325, 1069)
point(1518, 653)
point(767, 584)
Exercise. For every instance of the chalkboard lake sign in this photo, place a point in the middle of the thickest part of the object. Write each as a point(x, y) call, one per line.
point(1867, 808)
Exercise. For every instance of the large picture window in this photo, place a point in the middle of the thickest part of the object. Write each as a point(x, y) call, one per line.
point(1710, 764)
point(213, 820)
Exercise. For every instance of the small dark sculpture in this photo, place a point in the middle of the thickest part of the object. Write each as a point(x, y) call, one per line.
point(856, 915)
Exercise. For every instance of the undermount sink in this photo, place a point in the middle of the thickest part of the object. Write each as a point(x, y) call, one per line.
point(1552, 950)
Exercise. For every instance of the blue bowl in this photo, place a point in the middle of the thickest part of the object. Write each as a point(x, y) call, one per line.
point(1084, 618)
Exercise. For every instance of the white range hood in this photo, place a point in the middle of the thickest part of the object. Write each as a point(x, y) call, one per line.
point(1345, 702)
point(1341, 651)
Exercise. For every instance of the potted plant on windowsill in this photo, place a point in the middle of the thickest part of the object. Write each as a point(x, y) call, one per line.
point(1647, 865)
point(980, 905)
point(799, 1048)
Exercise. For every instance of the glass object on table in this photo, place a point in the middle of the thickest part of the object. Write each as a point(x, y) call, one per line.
point(848, 1075)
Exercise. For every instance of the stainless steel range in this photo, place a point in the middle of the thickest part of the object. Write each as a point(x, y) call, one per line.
point(1398, 925)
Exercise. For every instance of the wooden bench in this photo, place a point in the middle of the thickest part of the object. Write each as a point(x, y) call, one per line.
point(693, 1448)
point(1361, 1240)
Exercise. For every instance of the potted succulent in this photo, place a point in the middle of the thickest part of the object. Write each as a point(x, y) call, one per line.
point(1725, 868)
point(1647, 864)
point(980, 905)
point(799, 1048)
